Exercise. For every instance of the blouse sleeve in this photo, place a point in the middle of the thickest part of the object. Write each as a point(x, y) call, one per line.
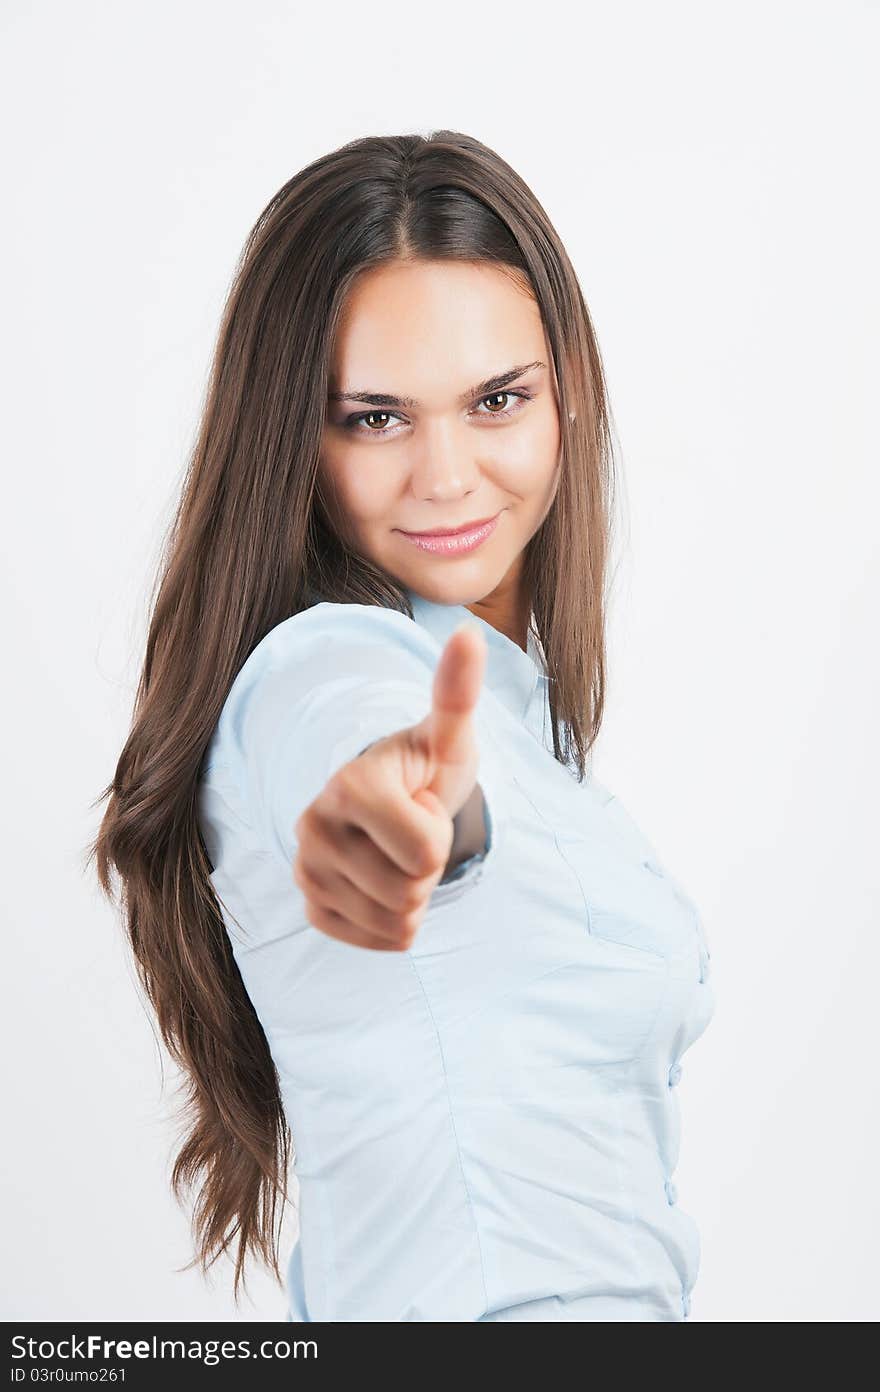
point(327, 683)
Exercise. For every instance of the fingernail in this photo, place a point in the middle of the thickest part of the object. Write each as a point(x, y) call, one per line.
point(468, 624)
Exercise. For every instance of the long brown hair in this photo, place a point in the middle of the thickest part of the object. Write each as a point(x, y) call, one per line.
point(250, 541)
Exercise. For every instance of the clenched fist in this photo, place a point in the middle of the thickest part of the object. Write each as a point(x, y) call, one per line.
point(377, 839)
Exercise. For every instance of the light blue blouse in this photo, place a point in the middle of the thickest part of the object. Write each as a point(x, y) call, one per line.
point(486, 1125)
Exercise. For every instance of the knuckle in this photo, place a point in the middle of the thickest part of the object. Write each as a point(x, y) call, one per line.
point(411, 921)
point(323, 918)
point(313, 913)
point(431, 858)
point(307, 880)
point(400, 927)
point(413, 897)
point(349, 777)
point(342, 787)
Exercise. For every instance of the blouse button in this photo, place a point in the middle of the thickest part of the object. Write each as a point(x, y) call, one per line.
point(674, 1074)
point(704, 962)
point(671, 1192)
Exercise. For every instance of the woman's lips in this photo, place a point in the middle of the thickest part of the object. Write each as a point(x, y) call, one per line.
point(453, 543)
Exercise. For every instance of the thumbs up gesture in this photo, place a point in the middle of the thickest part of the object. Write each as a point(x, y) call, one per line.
point(375, 842)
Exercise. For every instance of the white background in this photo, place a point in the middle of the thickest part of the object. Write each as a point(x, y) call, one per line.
point(712, 172)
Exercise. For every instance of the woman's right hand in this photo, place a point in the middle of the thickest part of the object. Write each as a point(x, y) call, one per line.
point(375, 842)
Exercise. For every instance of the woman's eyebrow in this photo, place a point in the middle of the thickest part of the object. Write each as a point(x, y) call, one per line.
point(492, 384)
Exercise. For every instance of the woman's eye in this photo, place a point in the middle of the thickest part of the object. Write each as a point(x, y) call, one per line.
point(494, 397)
point(353, 422)
point(361, 423)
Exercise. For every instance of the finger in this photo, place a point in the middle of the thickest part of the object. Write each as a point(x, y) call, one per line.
point(352, 859)
point(372, 797)
point(336, 926)
point(455, 692)
point(333, 891)
point(360, 860)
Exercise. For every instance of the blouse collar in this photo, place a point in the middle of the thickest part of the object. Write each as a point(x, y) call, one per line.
point(514, 676)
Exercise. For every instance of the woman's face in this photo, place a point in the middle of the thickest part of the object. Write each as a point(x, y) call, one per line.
point(454, 447)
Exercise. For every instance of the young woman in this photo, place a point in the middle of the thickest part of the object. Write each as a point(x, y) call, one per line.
point(382, 908)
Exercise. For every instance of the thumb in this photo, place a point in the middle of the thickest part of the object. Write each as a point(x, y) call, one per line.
point(455, 692)
point(430, 801)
